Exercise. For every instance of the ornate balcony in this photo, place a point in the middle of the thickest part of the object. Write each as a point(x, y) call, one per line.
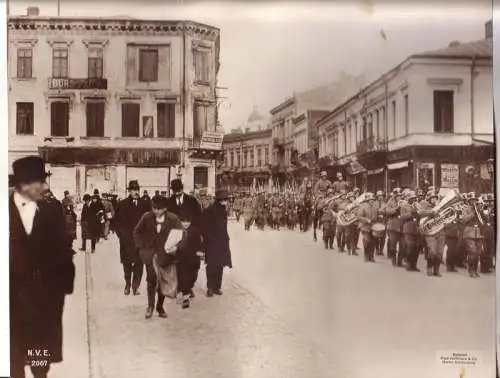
point(371, 144)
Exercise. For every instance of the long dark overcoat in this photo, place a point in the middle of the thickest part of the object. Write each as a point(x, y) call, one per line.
point(127, 216)
point(41, 274)
point(215, 236)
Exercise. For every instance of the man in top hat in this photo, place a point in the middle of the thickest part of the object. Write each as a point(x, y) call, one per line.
point(127, 214)
point(216, 241)
point(180, 201)
point(41, 271)
point(322, 186)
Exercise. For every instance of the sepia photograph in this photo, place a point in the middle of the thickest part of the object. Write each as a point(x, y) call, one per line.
point(251, 189)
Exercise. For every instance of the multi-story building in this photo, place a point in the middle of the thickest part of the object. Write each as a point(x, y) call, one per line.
point(293, 125)
point(108, 100)
point(247, 159)
point(425, 122)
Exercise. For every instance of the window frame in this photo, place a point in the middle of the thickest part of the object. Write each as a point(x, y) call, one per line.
point(22, 65)
point(142, 74)
point(440, 112)
point(25, 125)
point(55, 119)
point(58, 70)
point(99, 59)
point(124, 129)
point(87, 118)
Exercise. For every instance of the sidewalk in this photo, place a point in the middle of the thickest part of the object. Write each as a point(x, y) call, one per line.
point(75, 346)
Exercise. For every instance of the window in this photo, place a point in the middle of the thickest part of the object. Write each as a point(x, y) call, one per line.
point(365, 129)
point(200, 122)
point(251, 157)
point(59, 118)
point(148, 65)
point(355, 141)
point(394, 119)
point(407, 115)
point(266, 156)
point(382, 122)
point(24, 63)
point(238, 159)
point(443, 111)
point(200, 177)
point(377, 124)
point(259, 157)
point(95, 63)
point(24, 118)
point(245, 158)
point(131, 119)
point(231, 160)
point(60, 63)
point(95, 118)
point(201, 66)
point(165, 120)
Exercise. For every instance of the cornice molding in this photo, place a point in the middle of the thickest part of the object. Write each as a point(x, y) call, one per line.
point(59, 41)
point(22, 42)
point(92, 42)
point(47, 25)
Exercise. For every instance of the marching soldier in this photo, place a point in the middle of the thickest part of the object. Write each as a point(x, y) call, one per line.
point(322, 185)
point(368, 214)
point(409, 219)
point(435, 243)
point(341, 205)
point(472, 234)
point(381, 205)
point(488, 232)
point(340, 185)
point(392, 211)
point(352, 231)
point(452, 235)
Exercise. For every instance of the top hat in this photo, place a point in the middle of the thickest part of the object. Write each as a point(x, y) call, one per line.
point(29, 169)
point(176, 185)
point(133, 185)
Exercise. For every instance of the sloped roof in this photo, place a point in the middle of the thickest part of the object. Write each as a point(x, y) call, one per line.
point(480, 49)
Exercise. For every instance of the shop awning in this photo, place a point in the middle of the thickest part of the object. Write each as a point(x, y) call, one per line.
point(398, 165)
point(375, 171)
point(354, 168)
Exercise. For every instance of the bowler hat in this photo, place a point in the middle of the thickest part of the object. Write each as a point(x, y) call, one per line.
point(29, 169)
point(221, 194)
point(133, 185)
point(86, 197)
point(159, 202)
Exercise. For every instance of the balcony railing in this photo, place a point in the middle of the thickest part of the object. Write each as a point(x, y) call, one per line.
point(371, 144)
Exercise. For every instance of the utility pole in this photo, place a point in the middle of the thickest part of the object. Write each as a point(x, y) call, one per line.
point(58, 8)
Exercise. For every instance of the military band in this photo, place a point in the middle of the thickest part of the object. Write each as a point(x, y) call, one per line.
point(402, 225)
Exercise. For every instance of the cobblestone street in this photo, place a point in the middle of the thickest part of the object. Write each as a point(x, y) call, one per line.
point(289, 309)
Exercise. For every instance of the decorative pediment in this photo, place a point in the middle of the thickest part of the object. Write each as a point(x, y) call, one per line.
point(60, 42)
point(25, 42)
point(95, 43)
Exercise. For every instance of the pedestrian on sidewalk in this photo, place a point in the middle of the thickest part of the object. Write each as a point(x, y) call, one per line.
point(91, 227)
point(216, 242)
point(150, 236)
point(128, 213)
point(188, 258)
point(41, 271)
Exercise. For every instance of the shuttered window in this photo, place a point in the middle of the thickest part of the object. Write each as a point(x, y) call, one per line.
point(59, 118)
point(148, 65)
point(95, 119)
point(60, 63)
point(443, 111)
point(24, 118)
point(24, 63)
point(201, 65)
point(131, 119)
point(95, 63)
point(165, 120)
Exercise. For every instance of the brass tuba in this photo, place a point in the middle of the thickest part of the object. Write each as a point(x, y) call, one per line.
point(347, 217)
point(447, 213)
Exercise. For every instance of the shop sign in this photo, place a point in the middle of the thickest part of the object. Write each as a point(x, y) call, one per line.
point(66, 83)
point(483, 172)
point(449, 175)
point(211, 140)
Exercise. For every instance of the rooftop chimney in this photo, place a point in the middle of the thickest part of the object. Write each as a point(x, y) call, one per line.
point(489, 29)
point(33, 12)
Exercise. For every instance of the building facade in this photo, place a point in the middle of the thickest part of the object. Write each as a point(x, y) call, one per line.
point(108, 100)
point(423, 123)
point(247, 160)
point(293, 126)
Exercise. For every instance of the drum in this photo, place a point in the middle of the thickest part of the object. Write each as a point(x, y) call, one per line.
point(378, 230)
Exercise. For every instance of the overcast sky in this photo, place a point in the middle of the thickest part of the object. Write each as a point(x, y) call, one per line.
point(270, 50)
